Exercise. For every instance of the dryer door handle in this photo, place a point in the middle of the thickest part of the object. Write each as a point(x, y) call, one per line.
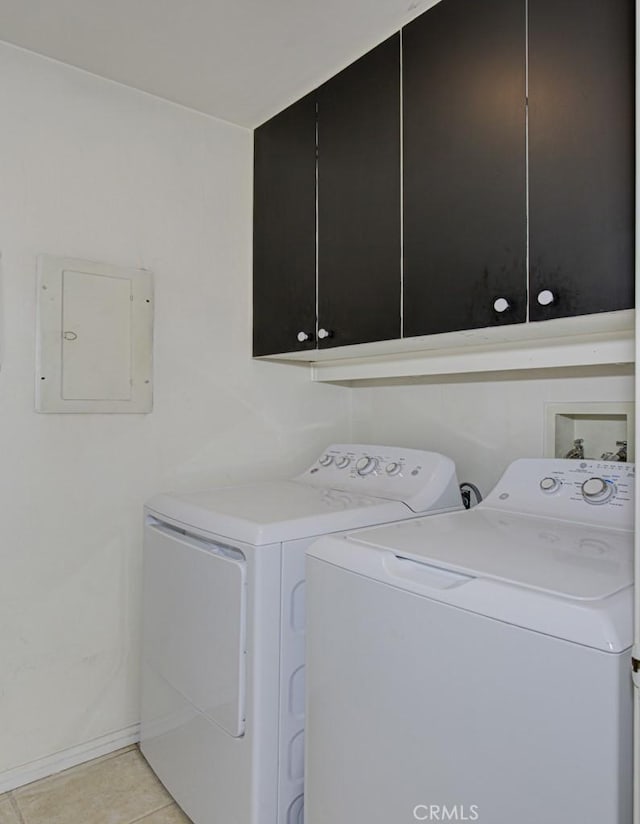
point(231, 553)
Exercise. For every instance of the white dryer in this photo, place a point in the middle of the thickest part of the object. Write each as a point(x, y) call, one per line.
point(224, 622)
point(476, 666)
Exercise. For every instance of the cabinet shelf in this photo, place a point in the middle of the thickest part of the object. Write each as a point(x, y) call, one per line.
point(599, 340)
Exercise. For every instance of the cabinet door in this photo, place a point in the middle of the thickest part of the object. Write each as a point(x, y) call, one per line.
point(581, 136)
point(464, 126)
point(284, 230)
point(359, 200)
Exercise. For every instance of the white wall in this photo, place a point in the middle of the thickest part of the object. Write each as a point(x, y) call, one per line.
point(483, 424)
point(95, 170)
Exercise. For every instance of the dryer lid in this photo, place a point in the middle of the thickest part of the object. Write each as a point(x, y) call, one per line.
point(570, 560)
point(272, 512)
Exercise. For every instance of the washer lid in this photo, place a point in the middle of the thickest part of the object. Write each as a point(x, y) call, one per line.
point(272, 512)
point(551, 556)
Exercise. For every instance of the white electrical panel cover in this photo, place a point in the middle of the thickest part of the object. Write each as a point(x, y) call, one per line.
point(94, 337)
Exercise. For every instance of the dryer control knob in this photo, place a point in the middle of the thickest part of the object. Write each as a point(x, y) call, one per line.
point(597, 490)
point(326, 460)
point(550, 485)
point(366, 465)
point(343, 462)
point(393, 468)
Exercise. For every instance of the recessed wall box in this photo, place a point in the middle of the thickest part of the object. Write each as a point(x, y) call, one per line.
point(94, 337)
point(602, 428)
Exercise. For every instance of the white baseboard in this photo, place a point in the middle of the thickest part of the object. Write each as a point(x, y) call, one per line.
point(51, 764)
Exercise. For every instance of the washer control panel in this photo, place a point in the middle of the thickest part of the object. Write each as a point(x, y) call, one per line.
point(417, 477)
point(598, 492)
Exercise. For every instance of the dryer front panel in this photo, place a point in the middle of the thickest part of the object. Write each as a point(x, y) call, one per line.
point(195, 615)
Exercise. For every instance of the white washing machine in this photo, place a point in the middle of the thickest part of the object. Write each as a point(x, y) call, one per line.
point(476, 666)
point(224, 622)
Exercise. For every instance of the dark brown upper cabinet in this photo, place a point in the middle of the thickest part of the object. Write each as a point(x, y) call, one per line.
point(284, 231)
point(581, 156)
point(464, 125)
point(508, 126)
point(345, 136)
point(359, 200)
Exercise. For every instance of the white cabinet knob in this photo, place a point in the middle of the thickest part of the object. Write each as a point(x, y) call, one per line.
point(323, 333)
point(501, 304)
point(546, 297)
point(302, 337)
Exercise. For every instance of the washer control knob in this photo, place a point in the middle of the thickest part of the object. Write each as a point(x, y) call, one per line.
point(546, 297)
point(597, 490)
point(366, 465)
point(326, 460)
point(393, 468)
point(343, 462)
point(550, 485)
point(501, 305)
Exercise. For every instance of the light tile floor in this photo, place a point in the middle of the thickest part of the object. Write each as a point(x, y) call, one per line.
point(118, 788)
